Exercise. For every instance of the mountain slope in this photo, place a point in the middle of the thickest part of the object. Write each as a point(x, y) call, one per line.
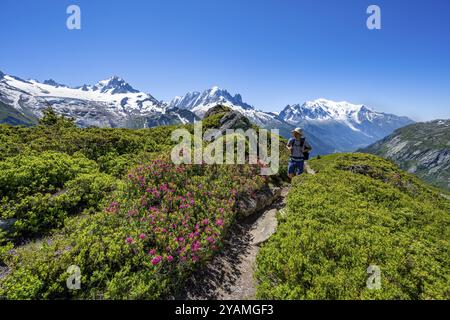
point(9, 115)
point(421, 148)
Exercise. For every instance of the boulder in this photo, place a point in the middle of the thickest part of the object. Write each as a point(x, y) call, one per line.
point(7, 224)
point(265, 226)
point(263, 198)
point(230, 120)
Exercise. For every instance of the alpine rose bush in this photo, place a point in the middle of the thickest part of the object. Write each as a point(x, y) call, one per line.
point(182, 212)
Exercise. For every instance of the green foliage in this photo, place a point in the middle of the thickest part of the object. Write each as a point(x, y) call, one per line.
point(213, 121)
point(52, 119)
point(357, 211)
point(39, 213)
point(45, 172)
point(166, 221)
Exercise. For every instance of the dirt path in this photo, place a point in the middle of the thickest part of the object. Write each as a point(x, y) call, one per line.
point(229, 276)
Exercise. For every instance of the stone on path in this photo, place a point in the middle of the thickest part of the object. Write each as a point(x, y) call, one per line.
point(264, 227)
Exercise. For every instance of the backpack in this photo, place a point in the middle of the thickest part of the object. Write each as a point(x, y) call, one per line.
point(305, 154)
point(302, 145)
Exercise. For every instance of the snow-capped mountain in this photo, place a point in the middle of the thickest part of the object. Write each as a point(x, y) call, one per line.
point(109, 103)
point(331, 126)
point(200, 102)
point(344, 125)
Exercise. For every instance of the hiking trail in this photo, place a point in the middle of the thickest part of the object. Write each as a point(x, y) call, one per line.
point(229, 275)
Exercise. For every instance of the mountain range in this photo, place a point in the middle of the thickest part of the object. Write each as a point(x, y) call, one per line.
point(329, 126)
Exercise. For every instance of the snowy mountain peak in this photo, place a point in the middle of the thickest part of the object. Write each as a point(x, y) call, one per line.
point(324, 109)
point(114, 85)
point(200, 102)
point(214, 90)
point(53, 83)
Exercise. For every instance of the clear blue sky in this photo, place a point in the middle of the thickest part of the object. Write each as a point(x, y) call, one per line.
point(273, 52)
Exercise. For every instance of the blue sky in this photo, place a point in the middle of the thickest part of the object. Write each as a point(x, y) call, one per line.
point(273, 52)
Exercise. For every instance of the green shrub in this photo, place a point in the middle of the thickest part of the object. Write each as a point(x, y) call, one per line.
point(357, 211)
point(23, 175)
point(39, 213)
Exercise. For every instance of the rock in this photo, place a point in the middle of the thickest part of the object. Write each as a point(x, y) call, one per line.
point(308, 169)
point(6, 225)
point(231, 120)
point(445, 196)
point(263, 198)
point(265, 226)
point(4, 271)
point(215, 110)
point(234, 120)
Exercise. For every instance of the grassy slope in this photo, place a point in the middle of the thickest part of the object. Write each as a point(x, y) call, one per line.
point(358, 210)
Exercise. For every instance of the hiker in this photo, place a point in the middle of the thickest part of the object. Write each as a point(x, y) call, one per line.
point(300, 150)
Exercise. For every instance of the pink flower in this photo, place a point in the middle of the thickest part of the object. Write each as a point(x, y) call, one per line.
point(196, 246)
point(156, 260)
point(169, 258)
point(219, 222)
point(152, 252)
point(194, 258)
point(129, 240)
point(205, 222)
point(132, 212)
point(142, 236)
